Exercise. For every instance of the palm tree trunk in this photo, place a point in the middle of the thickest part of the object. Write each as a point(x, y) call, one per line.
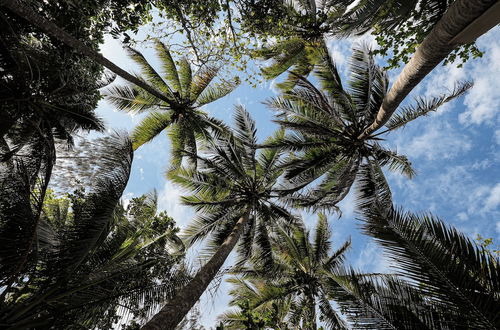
point(56, 32)
point(176, 308)
point(435, 47)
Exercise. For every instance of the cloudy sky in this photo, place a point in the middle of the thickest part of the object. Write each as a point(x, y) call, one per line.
point(455, 152)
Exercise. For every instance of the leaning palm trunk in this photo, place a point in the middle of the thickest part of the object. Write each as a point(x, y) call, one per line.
point(174, 310)
point(56, 32)
point(435, 47)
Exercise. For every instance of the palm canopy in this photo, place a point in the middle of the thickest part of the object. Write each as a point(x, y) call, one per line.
point(234, 179)
point(305, 25)
point(442, 279)
point(297, 280)
point(179, 111)
point(325, 125)
point(93, 255)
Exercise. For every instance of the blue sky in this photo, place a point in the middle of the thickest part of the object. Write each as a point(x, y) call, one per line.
point(455, 152)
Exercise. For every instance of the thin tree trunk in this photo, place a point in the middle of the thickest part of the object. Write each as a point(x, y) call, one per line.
point(176, 308)
point(56, 32)
point(435, 47)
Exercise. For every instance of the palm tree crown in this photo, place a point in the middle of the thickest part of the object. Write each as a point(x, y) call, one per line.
point(325, 125)
point(232, 179)
point(298, 277)
point(184, 93)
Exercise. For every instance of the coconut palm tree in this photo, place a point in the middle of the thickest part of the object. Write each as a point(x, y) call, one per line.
point(443, 280)
point(245, 292)
point(299, 275)
point(179, 110)
point(234, 192)
point(448, 33)
point(325, 125)
point(301, 32)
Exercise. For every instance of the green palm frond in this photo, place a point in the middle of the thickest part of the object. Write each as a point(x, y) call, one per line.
point(329, 316)
point(201, 80)
point(96, 210)
point(302, 69)
point(393, 161)
point(132, 99)
point(321, 238)
point(449, 269)
point(150, 74)
point(150, 127)
point(245, 127)
point(168, 66)
point(332, 189)
point(284, 55)
point(216, 91)
point(424, 106)
point(185, 77)
point(368, 84)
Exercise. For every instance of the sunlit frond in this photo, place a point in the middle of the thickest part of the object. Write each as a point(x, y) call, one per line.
point(150, 127)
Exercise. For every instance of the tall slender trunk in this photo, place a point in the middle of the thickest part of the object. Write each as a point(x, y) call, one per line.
point(435, 47)
point(176, 308)
point(56, 32)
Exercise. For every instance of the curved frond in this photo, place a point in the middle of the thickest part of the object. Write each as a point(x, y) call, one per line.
point(185, 77)
point(168, 66)
point(216, 91)
point(424, 106)
point(150, 127)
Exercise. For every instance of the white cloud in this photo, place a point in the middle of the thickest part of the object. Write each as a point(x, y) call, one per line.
point(482, 101)
point(169, 201)
point(462, 216)
point(371, 259)
point(493, 200)
point(438, 141)
point(497, 136)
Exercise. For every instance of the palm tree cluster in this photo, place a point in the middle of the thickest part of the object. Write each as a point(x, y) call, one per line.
point(89, 255)
point(86, 260)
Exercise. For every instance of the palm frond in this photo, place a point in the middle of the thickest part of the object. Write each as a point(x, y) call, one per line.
point(393, 160)
point(150, 127)
point(132, 99)
point(96, 210)
point(424, 106)
point(148, 71)
point(438, 264)
point(185, 77)
point(202, 80)
point(168, 66)
point(216, 91)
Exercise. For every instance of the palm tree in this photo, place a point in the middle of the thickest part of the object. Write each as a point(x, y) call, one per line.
point(178, 110)
point(300, 276)
point(442, 39)
point(443, 280)
point(93, 256)
point(245, 293)
point(326, 124)
point(234, 192)
point(302, 30)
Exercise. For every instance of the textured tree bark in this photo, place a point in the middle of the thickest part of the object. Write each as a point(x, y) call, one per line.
point(56, 32)
point(435, 47)
point(174, 310)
